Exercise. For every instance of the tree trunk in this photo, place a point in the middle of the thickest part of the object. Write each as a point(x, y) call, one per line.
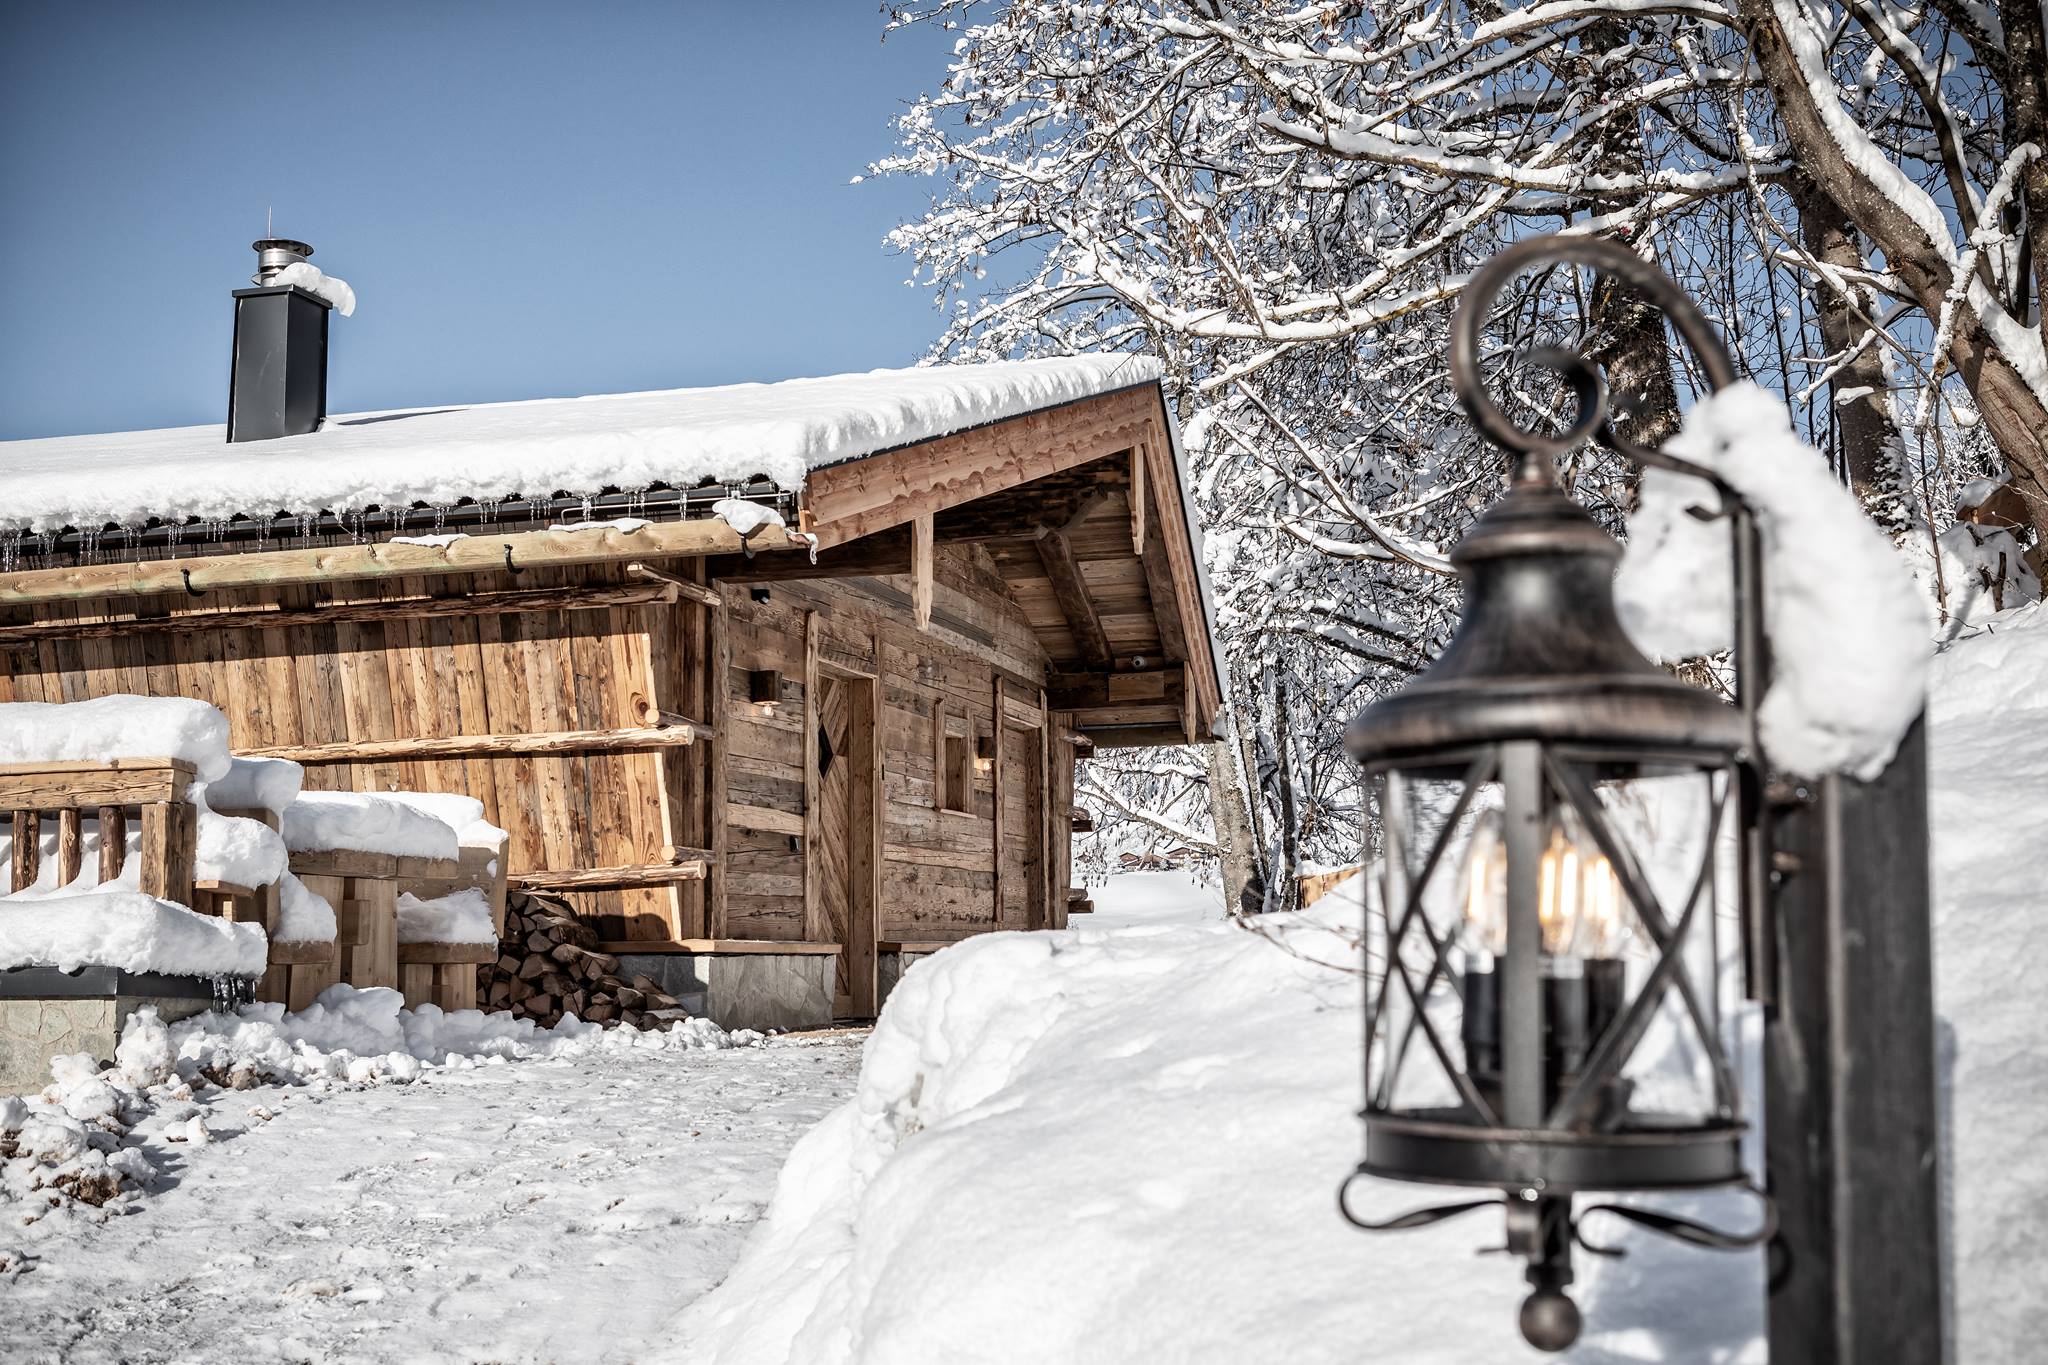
point(2025, 81)
point(1235, 845)
point(1283, 891)
point(2014, 415)
point(1871, 447)
point(1628, 337)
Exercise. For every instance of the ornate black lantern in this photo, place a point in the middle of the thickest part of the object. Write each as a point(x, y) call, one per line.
point(1542, 998)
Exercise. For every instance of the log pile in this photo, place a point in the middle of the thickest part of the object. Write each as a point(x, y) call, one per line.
point(548, 966)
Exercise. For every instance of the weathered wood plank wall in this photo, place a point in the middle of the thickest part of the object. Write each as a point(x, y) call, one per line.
point(614, 667)
point(938, 876)
point(433, 677)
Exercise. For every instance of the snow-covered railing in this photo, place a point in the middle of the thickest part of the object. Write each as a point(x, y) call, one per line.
point(90, 804)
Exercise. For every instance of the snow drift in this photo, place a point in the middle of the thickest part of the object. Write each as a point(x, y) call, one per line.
point(1118, 1146)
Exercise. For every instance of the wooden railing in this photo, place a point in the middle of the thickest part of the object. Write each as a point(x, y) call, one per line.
point(152, 791)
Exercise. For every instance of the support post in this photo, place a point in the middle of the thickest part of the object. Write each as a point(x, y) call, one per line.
point(815, 928)
point(921, 570)
point(1851, 1129)
point(1521, 989)
point(1138, 499)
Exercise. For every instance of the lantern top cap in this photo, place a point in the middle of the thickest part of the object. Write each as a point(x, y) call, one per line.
point(1539, 652)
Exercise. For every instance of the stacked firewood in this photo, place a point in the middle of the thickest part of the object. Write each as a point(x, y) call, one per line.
point(549, 965)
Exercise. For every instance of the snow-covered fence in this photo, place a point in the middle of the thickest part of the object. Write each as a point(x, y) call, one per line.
point(91, 803)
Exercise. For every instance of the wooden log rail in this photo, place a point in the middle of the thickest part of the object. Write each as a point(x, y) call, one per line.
point(682, 865)
point(328, 613)
point(670, 732)
point(382, 559)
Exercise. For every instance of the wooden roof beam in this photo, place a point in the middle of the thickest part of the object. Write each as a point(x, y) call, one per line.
point(1173, 640)
point(859, 497)
point(1143, 736)
point(1071, 592)
point(881, 554)
point(381, 559)
point(1156, 686)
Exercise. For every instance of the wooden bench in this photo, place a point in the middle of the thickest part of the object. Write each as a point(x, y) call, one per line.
point(259, 905)
point(477, 865)
point(442, 974)
point(363, 889)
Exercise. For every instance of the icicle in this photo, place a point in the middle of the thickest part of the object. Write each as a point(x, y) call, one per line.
point(10, 548)
point(440, 517)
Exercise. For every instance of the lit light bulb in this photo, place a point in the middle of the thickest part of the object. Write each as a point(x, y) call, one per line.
point(1606, 925)
point(1486, 888)
point(1580, 906)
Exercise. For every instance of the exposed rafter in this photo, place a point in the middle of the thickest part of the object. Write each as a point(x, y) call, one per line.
point(1071, 592)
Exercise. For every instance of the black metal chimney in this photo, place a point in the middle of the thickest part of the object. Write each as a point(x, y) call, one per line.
point(278, 386)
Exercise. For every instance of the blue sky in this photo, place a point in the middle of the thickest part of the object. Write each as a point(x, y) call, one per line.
point(529, 199)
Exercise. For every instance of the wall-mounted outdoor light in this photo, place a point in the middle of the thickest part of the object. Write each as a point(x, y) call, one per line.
point(984, 753)
point(764, 686)
point(1521, 954)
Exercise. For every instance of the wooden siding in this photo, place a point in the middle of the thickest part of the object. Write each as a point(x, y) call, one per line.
point(433, 677)
point(938, 873)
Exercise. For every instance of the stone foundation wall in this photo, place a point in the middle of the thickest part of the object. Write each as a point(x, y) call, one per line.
point(32, 1031)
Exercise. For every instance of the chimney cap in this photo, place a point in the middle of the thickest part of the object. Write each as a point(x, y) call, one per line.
point(273, 254)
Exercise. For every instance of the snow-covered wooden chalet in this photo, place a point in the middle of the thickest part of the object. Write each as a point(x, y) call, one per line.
point(779, 685)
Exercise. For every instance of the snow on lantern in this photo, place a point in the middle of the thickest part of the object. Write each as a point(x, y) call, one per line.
point(1543, 996)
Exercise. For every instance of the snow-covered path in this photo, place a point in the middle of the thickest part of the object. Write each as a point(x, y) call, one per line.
point(536, 1211)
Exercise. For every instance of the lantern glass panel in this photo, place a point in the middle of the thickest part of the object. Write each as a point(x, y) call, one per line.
point(1624, 915)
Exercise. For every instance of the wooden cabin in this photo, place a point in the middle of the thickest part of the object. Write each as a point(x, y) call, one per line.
point(773, 727)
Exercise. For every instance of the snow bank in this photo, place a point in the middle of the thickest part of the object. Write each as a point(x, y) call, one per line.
point(463, 814)
point(1124, 1146)
point(317, 282)
point(319, 822)
point(1848, 627)
point(231, 848)
point(256, 784)
point(78, 1149)
point(303, 914)
point(116, 727)
point(461, 917)
point(439, 456)
point(1988, 744)
point(1130, 900)
point(125, 929)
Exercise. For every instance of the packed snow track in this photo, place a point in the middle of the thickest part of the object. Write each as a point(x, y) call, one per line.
point(558, 1209)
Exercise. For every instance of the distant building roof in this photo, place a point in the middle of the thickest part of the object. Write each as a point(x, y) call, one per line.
point(439, 456)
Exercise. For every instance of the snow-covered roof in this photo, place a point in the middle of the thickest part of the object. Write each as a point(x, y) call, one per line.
point(440, 455)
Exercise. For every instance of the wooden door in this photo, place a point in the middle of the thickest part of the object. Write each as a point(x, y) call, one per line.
point(848, 860)
point(1023, 808)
